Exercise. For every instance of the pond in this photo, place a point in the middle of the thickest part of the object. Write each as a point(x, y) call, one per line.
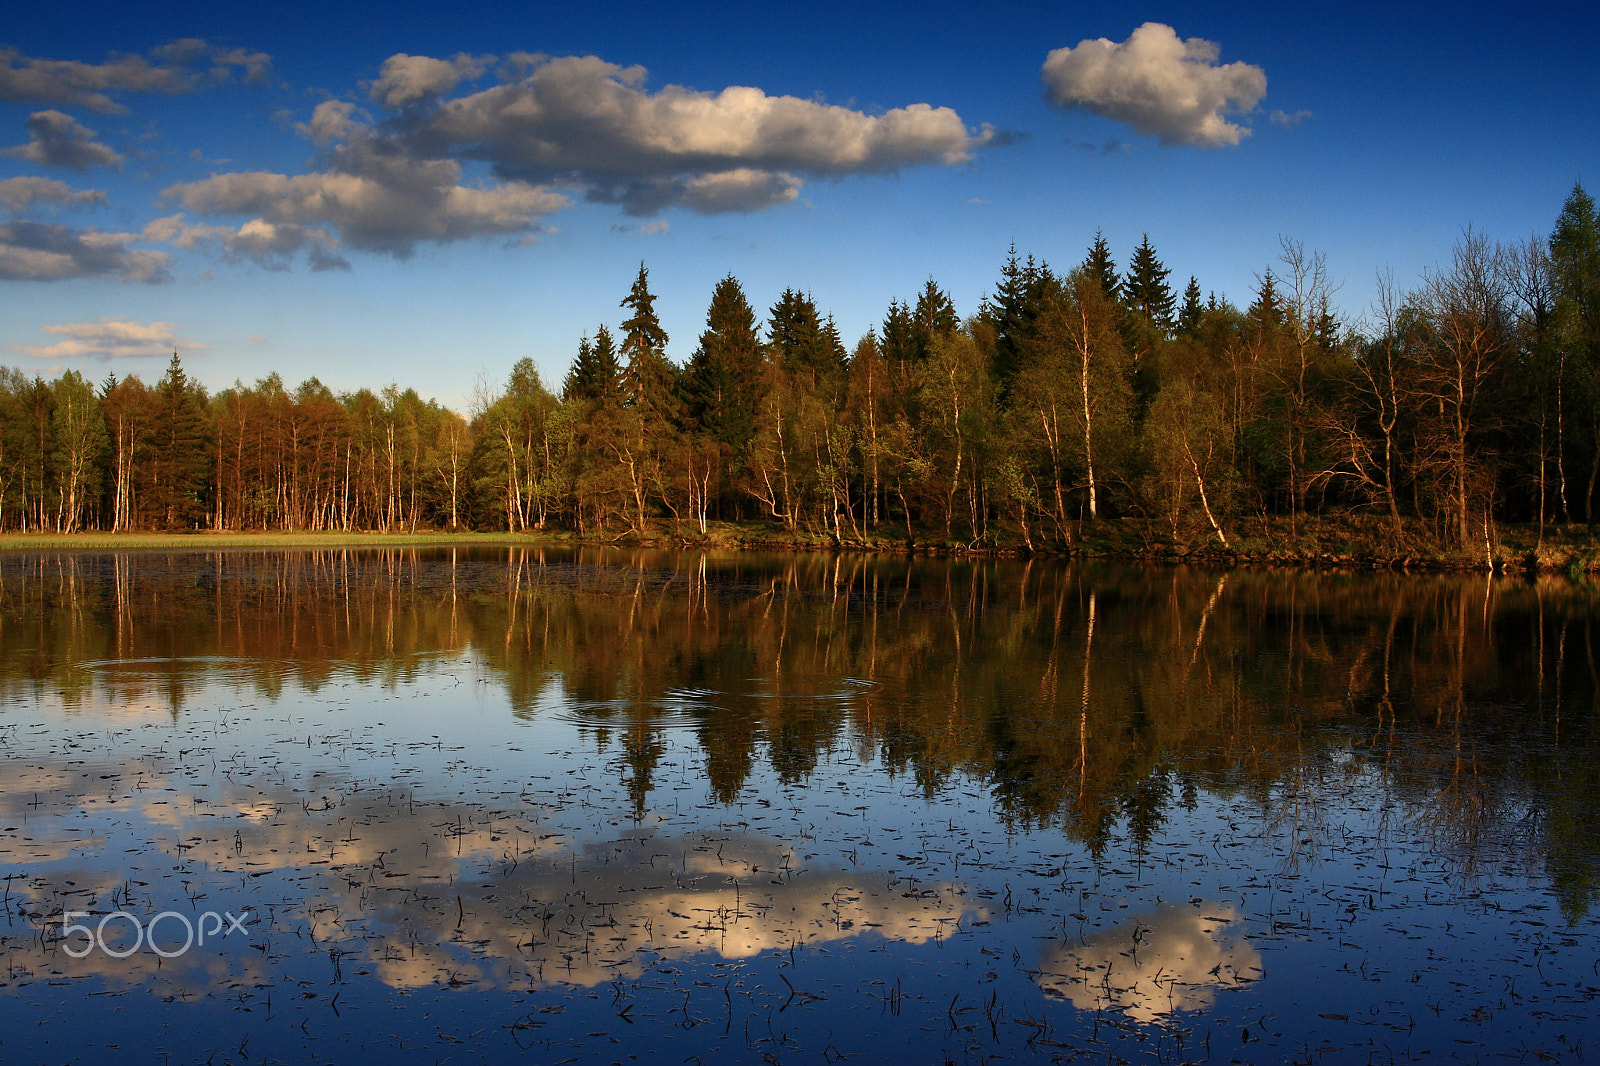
point(554, 806)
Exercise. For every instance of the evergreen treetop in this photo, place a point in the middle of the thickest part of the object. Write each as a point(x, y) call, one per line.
point(1146, 291)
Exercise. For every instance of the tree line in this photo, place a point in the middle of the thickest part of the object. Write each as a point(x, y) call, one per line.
point(1069, 396)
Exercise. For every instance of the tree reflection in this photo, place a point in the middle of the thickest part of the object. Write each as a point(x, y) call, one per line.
point(1085, 696)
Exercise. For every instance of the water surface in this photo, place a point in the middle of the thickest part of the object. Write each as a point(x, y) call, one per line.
point(598, 806)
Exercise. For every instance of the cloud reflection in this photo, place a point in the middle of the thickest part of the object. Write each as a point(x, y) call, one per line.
point(1173, 959)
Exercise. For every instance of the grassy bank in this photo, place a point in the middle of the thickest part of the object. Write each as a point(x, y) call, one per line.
point(207, 540)
point(1357, 542)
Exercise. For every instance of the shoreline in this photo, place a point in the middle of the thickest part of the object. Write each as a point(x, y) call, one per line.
point(1272, 543)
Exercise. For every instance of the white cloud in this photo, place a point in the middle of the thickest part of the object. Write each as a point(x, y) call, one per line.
point(109, 338)
point(55, 139)
point(577, 123)
point(406, 79)
point(267, 244)
point(1159, 85)
point(21, 194)
point(585, 120)
point(1289, 118)
point(36, 251)
point(374, 196)
point(177, 66)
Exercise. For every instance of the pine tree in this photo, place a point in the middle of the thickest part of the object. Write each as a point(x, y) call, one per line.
point(607, 368)
point(577, 383)
point(180, 461)
point(1267, 311)
point(800, 343)
point(594, 374)
point(648, 377)
point(1575, 266)
point(1146, 291)
point(721, 381)
point(1193, 310)
point(651, 414)
point(934, 317)
point(1100, 266)
point(1575, 256)
point(1012, 314)
point(896, 347)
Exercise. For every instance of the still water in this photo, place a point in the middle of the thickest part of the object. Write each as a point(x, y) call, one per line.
point(606, 806)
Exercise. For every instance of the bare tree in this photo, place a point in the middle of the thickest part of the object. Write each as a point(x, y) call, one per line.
point(1465, 316)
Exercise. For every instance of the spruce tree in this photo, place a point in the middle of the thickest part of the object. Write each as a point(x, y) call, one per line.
point(721, 381)
point(1146, 291)
point(1193, 310)
point(595, 374)
point(1099, 265)
point(1575, 269)
point(577, 383)
point(648, 377)
point(896, 347)
point(180, 460)
point(934, 317)
point(799, 340)
point(1017, 303)
point(607, 368)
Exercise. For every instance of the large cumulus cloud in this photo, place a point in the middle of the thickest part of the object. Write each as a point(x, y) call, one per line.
point(1169, 88)
point(547, 130)
point(584, 120)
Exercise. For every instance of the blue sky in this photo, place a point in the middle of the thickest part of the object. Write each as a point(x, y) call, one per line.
point(423, 194)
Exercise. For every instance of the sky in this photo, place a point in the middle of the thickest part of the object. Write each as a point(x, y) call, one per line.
point(423, 194)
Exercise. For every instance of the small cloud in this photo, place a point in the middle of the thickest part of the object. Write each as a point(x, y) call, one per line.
point(407, 79)
point(650, 229)
point(996, 137)
point(55, 139)
point(272, 246)
point(977, 200)
point(255, 340)
point(177, 68)
point(109, 338)
point(21, 194)
point(1289, 118)
point(1108, 147)
point(253, 67)
point(1162, 86)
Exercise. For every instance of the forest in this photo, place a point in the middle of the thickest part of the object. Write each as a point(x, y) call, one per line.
point(1068, 400)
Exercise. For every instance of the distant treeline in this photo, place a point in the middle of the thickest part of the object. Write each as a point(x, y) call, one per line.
point(1472, 398)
